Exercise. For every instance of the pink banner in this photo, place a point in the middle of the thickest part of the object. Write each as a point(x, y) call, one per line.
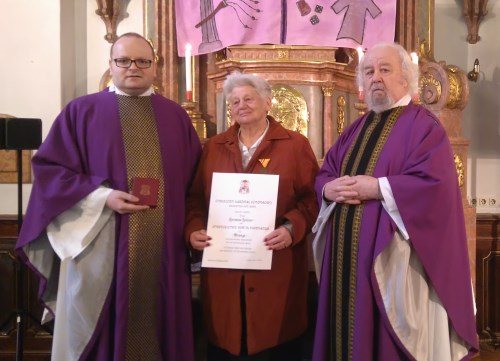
point(211, 25)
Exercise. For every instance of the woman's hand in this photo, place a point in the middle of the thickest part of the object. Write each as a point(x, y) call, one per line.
point(199, 239)
point(278, 239)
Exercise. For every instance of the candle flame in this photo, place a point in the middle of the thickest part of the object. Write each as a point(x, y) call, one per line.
point(414, 58)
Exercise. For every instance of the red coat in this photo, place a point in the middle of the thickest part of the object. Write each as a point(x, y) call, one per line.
point(276, 299)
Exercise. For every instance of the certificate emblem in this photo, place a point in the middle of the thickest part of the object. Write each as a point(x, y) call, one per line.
point(145, 190)
point(244, 186)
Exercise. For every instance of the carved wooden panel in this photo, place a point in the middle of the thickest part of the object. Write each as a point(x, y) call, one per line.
point(8, 163)
point(109, 11)
point(166, 45)
point(8, 166)
point(488, 277)
point(37, 339)
point(474, 12)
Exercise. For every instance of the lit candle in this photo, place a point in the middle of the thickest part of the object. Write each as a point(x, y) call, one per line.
point(414, 58)
point(359, 49)
point(189, 81)
point(361, 94)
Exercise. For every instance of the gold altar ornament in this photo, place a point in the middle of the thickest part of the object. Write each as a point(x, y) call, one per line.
point(459, 165)
point(289, 108)
point(198, 122)
point(455, 88)
point(430, 89)
point(340, 114)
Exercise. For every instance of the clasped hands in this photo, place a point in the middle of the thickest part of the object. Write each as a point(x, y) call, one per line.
point(352, 190)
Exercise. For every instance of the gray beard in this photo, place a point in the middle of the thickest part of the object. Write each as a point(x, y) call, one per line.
point(379, 105)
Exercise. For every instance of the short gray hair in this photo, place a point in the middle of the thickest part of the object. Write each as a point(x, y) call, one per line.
point(408, 68)
point(237, 79)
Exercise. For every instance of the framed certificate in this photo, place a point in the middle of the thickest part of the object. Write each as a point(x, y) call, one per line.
point(242, 212)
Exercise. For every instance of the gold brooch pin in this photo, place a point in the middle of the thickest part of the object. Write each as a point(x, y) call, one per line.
point(264, 162)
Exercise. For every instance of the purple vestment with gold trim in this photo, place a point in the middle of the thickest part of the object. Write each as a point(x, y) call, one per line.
point(84, 150)
point(417, 160)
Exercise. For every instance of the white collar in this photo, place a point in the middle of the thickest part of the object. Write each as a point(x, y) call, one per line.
point(114, 88)
point(257, 142)
point(405, 100)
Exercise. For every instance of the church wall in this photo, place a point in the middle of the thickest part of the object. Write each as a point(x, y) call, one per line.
point(481, 118)
point(30, 77)
point(51, 52)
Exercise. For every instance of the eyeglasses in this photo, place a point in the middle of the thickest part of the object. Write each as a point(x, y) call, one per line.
point(127, 63)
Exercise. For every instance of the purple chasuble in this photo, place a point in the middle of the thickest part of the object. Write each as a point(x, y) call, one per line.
point(418, 162)
point(84, 150)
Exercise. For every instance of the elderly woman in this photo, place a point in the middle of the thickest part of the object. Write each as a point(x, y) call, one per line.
point(257, 314)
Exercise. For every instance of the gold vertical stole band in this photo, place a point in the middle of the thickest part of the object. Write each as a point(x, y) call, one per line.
point(143, 159)
point(360, 159)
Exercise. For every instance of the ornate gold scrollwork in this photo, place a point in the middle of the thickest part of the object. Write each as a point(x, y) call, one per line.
point(459, 165)
point(327, 90)
point(155, 51)
point(340, 114)
point(290, 108)
point(430, 89)
point(283, 54)
point(228, 115)
point(424, 51)
point(455, 88)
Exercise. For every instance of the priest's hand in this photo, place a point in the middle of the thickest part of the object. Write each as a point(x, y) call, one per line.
point(199, 239)
point(341, 190)
point(367, 187)
point(123, 202)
